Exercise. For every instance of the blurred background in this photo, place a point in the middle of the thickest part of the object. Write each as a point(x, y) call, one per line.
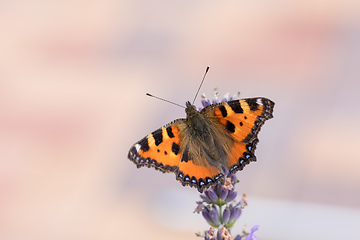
point(73, 78)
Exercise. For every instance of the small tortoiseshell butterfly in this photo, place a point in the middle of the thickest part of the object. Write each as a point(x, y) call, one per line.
point(197, 148)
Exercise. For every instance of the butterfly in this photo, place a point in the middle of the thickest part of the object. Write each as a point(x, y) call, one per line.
point(197, 148)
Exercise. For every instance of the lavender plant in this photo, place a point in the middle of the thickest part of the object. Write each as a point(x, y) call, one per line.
point(218, 205)
point(221, 211)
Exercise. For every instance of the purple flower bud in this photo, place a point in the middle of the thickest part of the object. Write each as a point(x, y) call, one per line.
point(205, 198)
point(205, 102)
point(231, 196)
point(226, 216)
point(233, 178)
point(218, 235)
point(214, 216)
point(211, 216)
point(238, 237)
point(211, 195)
point(206, 215)
point(234, 215)
point(223, 194)
point(218, 189)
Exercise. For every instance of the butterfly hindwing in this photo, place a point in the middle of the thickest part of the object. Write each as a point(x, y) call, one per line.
point(196, 172)
point(241, 155)
point(242, 120)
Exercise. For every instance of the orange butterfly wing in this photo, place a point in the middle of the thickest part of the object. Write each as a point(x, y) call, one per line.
point(242, 120)
point(160, 149)
point(197, 172)
point(166, 151)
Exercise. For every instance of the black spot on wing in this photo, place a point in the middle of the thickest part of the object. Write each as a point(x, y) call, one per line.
point(169, 132)
point(230, 126)
point(185, 155)
point(144, 144)
point(158, 137)
point(235, 106)
point(223, 111)
point(253, 105)
point(175, 148)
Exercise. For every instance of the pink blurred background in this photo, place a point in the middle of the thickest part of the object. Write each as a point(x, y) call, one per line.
point(73, 78)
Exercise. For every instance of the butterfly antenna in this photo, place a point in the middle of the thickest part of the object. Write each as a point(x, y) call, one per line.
point(148, 94)
point(207, 69)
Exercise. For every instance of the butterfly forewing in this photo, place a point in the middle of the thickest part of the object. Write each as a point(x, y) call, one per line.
point(160, 149)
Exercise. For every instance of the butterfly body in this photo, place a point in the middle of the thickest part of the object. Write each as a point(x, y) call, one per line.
point(206, 140)
point(198, 148)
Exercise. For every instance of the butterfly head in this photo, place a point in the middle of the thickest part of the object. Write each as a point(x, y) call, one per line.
point(190, 109)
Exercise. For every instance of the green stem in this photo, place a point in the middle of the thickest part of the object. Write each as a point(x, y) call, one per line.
point(221, 214)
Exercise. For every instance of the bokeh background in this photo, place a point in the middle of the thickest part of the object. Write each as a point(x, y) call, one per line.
point(73, 78)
